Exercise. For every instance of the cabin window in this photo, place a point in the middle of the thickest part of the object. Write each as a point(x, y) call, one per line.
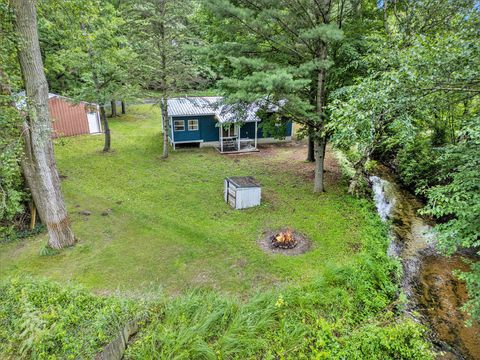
point(179, 125)
point(192, 125)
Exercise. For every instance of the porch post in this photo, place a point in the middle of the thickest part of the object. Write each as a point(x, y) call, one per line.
point(238, 132)
point(221, 137)
point(256, 134)
point(172, 140)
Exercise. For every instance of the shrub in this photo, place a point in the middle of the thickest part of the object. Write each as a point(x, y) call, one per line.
point(43, 320)
point(417, 164)
point(12, 194)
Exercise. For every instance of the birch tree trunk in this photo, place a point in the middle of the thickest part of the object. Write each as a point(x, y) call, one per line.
point(38, 163)
point(166, 128)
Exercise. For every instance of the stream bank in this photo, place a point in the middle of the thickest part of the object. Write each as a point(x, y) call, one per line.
point(434, 294)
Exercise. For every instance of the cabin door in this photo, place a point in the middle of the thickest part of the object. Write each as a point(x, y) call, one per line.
point(229, 131)
point(93, 123)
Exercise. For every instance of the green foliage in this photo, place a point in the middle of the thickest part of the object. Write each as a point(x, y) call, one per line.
point(87, 54)
point(401, 340)
point(417, 111)
point(45, 320)
point(418, 164)
point(162, 34)
point(156, 209)
point(457, 197)
point(12, 194)
point(12, 232)
point(270, 51)
point(472, 279)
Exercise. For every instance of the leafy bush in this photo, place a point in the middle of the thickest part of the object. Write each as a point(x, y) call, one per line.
point(12, 195)
point(44, 320)
point(402, 340)
point(417, 164)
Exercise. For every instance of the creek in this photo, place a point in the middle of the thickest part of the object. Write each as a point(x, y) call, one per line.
point(435, 295)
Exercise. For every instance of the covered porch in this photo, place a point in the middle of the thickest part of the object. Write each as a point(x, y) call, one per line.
point(231, 139)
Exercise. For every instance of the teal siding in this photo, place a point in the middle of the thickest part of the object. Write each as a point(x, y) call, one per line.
point(206, 129)
point(248, 130)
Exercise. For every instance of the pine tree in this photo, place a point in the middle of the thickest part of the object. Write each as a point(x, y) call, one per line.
point(279, 52)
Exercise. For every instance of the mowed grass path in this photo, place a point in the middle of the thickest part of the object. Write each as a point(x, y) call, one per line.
point(169, 225)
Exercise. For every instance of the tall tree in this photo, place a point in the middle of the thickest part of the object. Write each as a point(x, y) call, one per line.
point(161, 37)
point(281, 51)
point(86, 47)
point(38, 163)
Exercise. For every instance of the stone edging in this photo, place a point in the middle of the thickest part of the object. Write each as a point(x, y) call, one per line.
point(116, 348)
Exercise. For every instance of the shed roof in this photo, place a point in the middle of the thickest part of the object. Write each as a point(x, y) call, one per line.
point(214, 105)
point(243, 181)
point(21, 99)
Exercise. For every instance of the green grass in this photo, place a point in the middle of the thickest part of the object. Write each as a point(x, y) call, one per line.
point(170, 228)
point(169, 225)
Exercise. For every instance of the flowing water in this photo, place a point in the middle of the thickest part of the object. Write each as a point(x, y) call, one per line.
point(431, 288)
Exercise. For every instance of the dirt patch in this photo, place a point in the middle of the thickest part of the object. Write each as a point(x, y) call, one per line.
point(290, 157)
point(355, 247)
point(265, 243)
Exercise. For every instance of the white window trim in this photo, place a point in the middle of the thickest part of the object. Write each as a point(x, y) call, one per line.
point(195, 122)
point(175, 125)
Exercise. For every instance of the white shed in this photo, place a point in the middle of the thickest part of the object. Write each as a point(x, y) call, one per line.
point(242, 192)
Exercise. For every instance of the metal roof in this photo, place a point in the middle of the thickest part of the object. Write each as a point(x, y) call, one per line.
point(21, 99)
point(193, 105)
point(214, 105)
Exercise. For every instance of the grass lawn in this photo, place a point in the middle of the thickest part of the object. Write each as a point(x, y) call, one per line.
point(169, 225)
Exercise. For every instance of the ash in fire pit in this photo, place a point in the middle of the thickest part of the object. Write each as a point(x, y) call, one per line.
point(285, 241)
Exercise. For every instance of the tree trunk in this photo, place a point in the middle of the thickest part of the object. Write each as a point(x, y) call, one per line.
point(311, 151)
point(38, 164)
point(359, 179)
point(123, 107)
point(320, 145)
point(166, 128)
point(106, 128)
point(321, 98)
point(320, 137)
point(100, 98)
point(385, 17)
point(113, 103)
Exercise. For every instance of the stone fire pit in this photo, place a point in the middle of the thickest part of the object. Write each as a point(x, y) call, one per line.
point(284, 241)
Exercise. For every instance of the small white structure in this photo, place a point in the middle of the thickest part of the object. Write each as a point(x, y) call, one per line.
point(242, 192)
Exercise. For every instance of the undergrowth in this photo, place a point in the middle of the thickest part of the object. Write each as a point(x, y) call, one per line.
point(41, 319)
